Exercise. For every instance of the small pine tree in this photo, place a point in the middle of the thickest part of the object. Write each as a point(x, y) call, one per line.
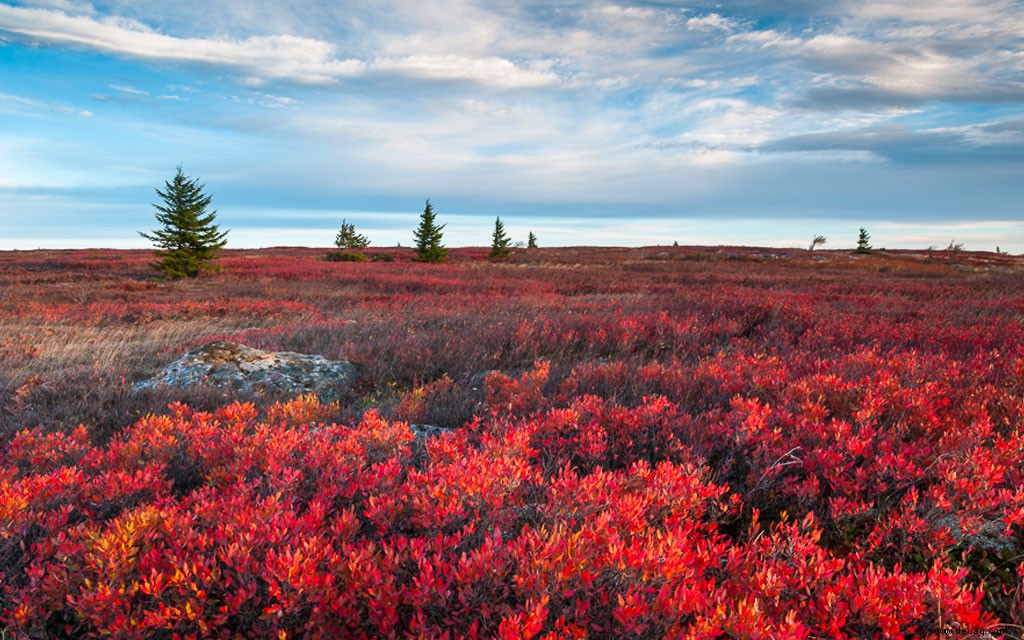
point(347, 237)
point(864, 241)
point(531, 241)
point(954, 249)
point(189, 239)
point(428, 237)
point(500, 241)
point(817, 241)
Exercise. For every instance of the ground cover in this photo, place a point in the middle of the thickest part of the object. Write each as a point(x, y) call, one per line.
point(682, 442)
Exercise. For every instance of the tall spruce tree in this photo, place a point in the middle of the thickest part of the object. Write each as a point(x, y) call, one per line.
point(500, 241)
point(347, 237)
point(531, 241)
point(428, 237)
point(188, 241)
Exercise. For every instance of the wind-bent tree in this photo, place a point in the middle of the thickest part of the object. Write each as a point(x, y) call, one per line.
point(817, 241)
point(428, 237)
point(188, 240)
point(531, 241)
point(500, 241)
point(347, 237)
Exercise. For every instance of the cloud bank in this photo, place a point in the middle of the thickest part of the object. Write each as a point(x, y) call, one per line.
point(776, 108)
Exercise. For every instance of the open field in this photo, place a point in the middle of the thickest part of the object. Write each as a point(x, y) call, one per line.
point(664, 441)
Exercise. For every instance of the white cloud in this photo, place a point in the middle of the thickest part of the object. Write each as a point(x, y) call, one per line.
point(21, 106)
point(593, 101)
point(617, 12)
point(764, 38)
point(711, 22)
point(277, 57)
point(83, 113)
point(967, 15)
point(882, 53)
point(491, 71)
point(720, 123)
point(691, 83)
point(298, 59)
point(268, 100)
point(131, 90)
point(62, 5)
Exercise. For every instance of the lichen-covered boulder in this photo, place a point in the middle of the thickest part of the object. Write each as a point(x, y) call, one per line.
point(228, 364)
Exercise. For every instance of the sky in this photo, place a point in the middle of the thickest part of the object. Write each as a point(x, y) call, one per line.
point(751, 122)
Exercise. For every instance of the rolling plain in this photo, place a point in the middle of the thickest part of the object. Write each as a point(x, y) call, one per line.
point(648, 442)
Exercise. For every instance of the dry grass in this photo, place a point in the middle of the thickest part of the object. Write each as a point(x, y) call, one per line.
point(77, 328)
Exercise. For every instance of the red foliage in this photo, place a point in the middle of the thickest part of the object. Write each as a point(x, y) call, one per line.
point(592, 519)
point(663, 447)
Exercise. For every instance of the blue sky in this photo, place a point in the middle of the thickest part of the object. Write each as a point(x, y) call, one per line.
point(629, 123)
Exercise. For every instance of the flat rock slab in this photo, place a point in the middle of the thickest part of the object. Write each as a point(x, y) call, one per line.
point(229, 364)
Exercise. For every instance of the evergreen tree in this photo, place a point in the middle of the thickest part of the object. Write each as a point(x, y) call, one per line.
point(189, 239)
point(531, 241)
point(500, 241)
point(428, 237)
point(347, 237)
point(864, 241)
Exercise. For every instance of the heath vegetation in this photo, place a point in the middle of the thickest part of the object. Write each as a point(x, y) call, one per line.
point(656, 442)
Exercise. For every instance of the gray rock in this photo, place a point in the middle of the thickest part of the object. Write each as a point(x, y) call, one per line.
point(228, 364)
point(476, 381)
point(427, 431)
point(989, 537)
point(424, 432)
